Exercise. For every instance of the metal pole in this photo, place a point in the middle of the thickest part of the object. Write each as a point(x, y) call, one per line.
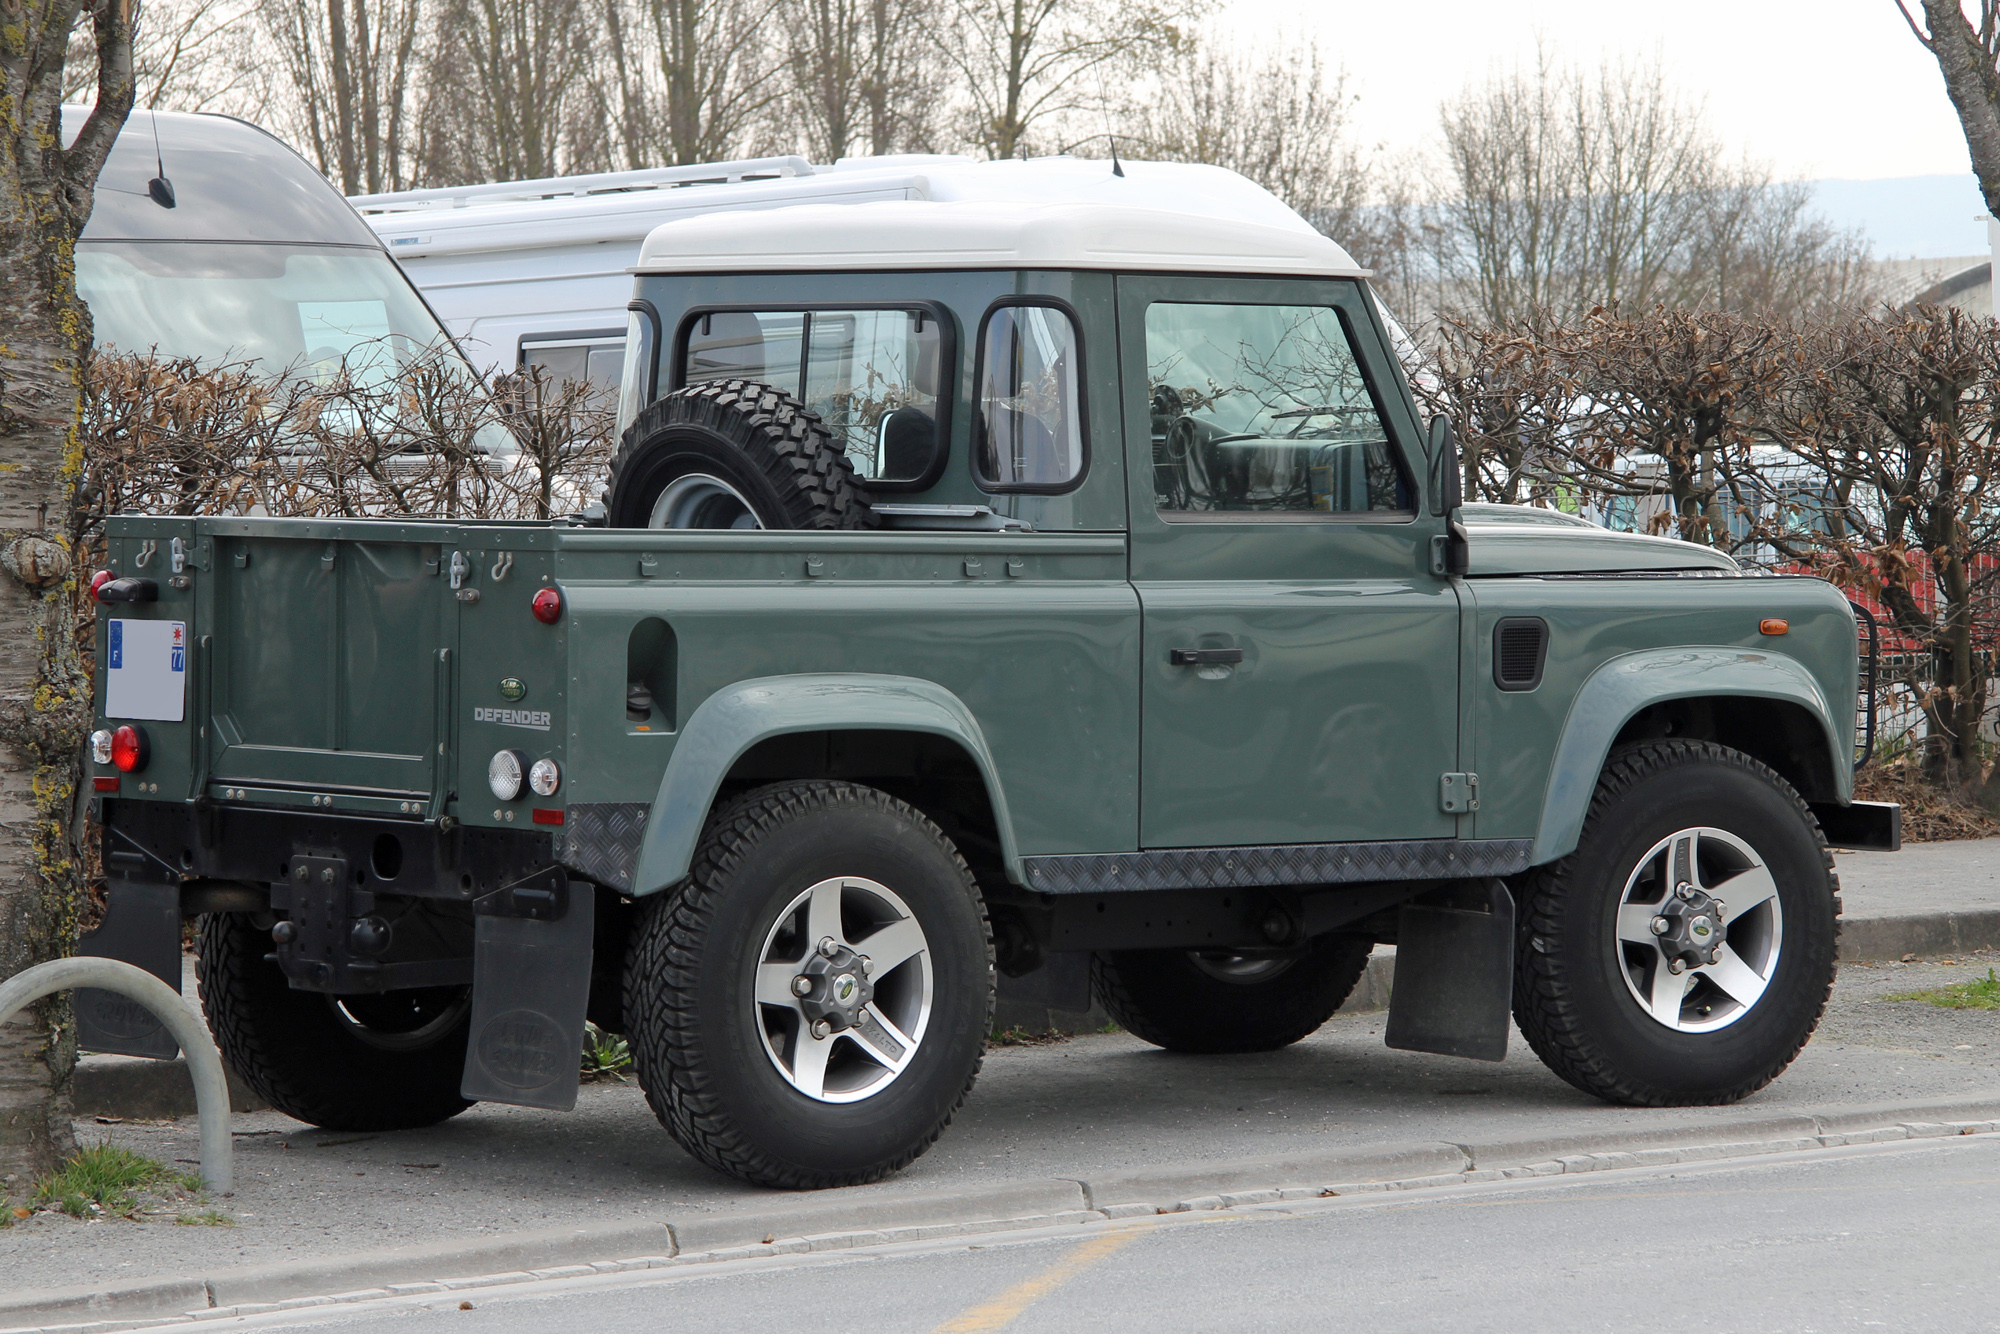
point(211, 1086)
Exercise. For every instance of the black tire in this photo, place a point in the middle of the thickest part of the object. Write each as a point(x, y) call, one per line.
point(1571, 997)
point(770, 451)
point(699, 1040)
point(1186, 1001)
point(388, 1062)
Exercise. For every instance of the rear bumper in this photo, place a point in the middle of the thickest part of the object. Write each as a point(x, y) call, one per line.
point(1864, 826)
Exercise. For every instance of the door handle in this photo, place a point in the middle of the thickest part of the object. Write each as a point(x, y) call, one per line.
point(1203, 657)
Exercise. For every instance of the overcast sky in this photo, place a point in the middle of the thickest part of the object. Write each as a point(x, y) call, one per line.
point(1819, 88)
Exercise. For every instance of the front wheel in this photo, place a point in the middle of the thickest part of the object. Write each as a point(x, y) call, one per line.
point(1684, 952)
point(809, 1008)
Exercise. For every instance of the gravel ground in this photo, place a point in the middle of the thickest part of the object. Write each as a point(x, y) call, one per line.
point(1095, 1103)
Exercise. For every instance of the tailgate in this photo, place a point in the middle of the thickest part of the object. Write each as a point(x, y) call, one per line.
point(330, 657)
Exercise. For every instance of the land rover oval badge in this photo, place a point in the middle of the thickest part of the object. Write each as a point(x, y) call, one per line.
point(511, 688)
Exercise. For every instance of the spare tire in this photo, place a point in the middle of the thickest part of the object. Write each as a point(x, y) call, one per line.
point(732, 454)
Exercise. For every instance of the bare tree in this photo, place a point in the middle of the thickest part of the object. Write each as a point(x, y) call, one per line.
point(509, 92)
point(865, 75)
point(1025, 65)
point(352, 66)
point(693, 78)
point(47, 189)
point(187, 55)
point(1276, 116)
point(1969, 58)
point(1567, 190)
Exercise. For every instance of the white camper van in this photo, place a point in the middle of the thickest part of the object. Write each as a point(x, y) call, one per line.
point(539, 272)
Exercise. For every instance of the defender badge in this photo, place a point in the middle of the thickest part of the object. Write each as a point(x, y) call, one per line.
point(511, 688)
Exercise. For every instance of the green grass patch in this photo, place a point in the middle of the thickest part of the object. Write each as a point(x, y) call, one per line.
point(107, 1180)
point(205, 1218)
point(1982, 993)
point(605, 1055)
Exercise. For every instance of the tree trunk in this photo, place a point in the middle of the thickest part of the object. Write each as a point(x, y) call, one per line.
point(46, 192)
point(1972, 84)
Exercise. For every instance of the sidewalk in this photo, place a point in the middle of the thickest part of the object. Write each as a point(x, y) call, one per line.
point(1094, 1120)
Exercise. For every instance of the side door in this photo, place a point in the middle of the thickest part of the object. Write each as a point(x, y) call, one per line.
point(1300, 669)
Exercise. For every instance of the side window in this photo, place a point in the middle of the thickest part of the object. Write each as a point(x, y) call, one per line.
point(1264, 409)
point(596, 358)
point(1028, 434)
point(873, 376)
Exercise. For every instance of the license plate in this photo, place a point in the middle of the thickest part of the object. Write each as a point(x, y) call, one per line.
point(145, 670)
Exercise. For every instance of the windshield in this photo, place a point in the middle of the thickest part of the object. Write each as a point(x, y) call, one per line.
point(312, 310)
point(291, 307)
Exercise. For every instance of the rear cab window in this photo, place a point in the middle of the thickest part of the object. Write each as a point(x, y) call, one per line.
point(876, 377)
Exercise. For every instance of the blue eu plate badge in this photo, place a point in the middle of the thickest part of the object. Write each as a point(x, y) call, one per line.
point(145, 670)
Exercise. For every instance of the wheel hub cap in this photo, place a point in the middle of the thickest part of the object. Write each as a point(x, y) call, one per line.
point(843, 989)
point(1698, 930)
point(834, 988)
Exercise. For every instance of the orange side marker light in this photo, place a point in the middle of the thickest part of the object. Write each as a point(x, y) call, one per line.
point(1772, 626)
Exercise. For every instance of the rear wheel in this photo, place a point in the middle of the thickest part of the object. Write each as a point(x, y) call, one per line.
point(809, 1007)
point(732, 454)
point(1684, 952)
point(1214, 1001)
point(385, 1062)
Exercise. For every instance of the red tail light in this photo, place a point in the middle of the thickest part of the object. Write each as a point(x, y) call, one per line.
point(130, 749)
point(548, 606)
point(99, 580)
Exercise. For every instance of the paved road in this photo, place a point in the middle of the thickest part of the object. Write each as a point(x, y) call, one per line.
point(1893, 1237)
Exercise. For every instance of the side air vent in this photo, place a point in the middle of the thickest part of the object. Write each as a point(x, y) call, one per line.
point(1520, 645)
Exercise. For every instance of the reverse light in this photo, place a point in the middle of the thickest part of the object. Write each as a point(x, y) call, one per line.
point(547, 606)
point(545, 778)
point(100, 746)
point(99, 580)
point(504, 773)
point(130, 749)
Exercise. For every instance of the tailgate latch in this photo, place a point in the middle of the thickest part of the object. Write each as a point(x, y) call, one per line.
point(460, 567)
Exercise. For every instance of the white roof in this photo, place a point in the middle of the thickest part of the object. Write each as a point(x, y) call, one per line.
point(623, 208)
point(914, 234)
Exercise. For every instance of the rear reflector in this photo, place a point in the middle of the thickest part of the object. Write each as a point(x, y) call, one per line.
point(105, 784)
point(548, 817)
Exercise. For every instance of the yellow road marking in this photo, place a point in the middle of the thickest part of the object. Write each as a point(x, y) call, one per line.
point(999, 1312)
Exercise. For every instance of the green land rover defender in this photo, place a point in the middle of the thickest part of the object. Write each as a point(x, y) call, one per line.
point(980, 588)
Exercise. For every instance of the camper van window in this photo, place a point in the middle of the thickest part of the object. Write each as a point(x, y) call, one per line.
point(871, 375)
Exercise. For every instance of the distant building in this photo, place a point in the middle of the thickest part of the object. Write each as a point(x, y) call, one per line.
point(1965, 282)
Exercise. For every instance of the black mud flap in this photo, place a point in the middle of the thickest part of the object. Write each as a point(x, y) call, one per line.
point(530, 988)
point(142, 927)
point(1454, 972)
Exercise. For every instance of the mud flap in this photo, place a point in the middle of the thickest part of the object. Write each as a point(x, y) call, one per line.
point(142, 926)
point(1454, 984)
point(530, 988)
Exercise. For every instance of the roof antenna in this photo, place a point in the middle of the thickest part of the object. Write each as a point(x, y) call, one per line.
point(1117, 168)
point(159, 189)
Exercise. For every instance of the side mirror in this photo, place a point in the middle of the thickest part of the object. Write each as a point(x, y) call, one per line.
point(1447, 472)
point(1451, 550)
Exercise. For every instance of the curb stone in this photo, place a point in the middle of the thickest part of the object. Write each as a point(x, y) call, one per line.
point(814, 1226)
